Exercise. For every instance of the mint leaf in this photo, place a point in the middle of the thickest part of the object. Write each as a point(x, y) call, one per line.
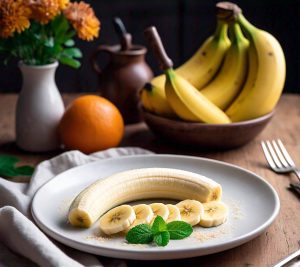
point(140, 234)
point(7, 160)
point(159, 225)
point(162, 239)
point(8, 169)
point(179, 229)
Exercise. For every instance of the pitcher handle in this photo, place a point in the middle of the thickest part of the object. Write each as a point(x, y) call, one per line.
point(94, 56)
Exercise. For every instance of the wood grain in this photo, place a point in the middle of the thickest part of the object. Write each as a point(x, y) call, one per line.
point(282, 236)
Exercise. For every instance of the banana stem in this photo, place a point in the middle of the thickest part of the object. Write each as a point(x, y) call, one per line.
point(221, 31)
point(227, 11)
point(169, 74)
point(245, 24)
point(236, 33)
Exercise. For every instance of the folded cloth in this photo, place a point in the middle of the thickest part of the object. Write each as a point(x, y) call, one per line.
point(21, 241)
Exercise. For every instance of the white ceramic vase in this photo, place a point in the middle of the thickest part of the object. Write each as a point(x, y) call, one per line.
point(39, 109)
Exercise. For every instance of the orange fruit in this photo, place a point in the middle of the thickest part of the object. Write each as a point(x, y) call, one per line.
point(91, 123)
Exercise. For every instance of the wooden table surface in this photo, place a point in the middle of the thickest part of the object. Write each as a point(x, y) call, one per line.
point(280, 239)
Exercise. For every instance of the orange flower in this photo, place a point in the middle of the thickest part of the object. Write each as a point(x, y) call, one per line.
point(83, 19)
point(63, 4)
point(44, 10)
point(14, 16)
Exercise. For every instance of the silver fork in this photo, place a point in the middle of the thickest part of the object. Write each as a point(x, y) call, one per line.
point(278, 158)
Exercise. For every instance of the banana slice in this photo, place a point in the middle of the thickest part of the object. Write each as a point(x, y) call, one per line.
point(160, 209)
point(215, 213)
point(191, 211)
point(117, 219)
point(143, 213)
point(174, 213)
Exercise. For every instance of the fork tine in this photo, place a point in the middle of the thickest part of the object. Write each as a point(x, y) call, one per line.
point(267, 155)
point(279, 154)
point(273, 155)
point(285, 153)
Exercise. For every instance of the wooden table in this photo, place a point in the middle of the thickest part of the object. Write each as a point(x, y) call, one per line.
point(278, 241)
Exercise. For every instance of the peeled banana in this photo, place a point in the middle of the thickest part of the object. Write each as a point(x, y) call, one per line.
point(266, 78)
point(145, 183)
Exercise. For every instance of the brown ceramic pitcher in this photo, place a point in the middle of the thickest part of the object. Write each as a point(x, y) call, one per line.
point(124, 76)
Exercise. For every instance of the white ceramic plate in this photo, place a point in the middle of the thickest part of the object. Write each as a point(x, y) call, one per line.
point(252, 202)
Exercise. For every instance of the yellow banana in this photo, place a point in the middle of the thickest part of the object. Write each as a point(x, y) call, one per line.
point(189, 103)
point(266, 78)
point(225, 87)
point(154, 100)
point(198, 70)
point(205, 63)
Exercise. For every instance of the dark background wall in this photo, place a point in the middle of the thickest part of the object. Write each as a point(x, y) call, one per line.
point(183, 26)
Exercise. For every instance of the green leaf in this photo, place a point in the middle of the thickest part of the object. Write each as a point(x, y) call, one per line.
point(49, 42)
point(56, 22)
point(162, 239)
point(62, 26)
point(6, 160)
point(140, 234)
point(8, 169)
point(68, 35)
point(8, 172)
point(69, 61)
point(179, 229)
point(159, 225)
point(72, 52)
point(69, 43)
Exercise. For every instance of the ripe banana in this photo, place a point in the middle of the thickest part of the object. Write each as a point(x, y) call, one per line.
point(215, 213)
point(174, 213)
point(205, 63)
point(266, 79)
point(190, 104)
point(198, 70)
point(145, 183)
point(117, 220)
point(191, 211)
point(160, 209)
point(224, 88)
point(154, 100)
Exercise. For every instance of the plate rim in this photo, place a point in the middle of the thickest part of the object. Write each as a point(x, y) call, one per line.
point(160, 252)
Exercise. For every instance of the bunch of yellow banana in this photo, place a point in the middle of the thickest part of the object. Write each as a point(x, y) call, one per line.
point(238, 78)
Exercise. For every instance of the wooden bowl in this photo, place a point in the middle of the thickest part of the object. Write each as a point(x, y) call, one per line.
point(208, 136)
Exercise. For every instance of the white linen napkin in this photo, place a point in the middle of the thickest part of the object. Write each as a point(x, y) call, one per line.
point(21, 241)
